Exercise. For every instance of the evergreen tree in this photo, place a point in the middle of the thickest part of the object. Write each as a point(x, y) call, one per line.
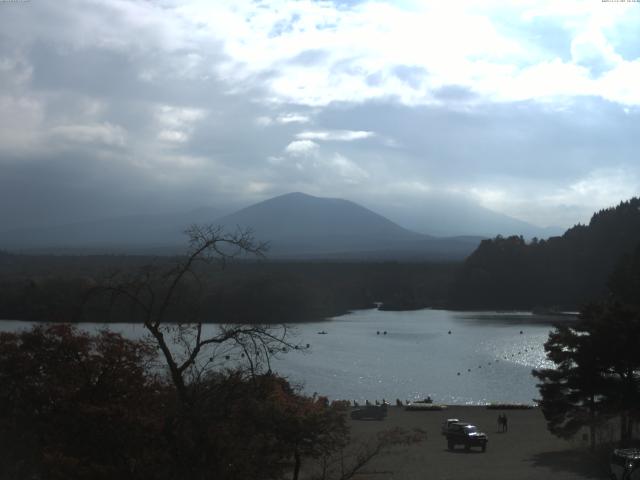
point(571, 392)
point(597, 373)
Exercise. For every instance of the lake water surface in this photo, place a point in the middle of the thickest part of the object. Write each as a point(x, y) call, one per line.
point(484, 359)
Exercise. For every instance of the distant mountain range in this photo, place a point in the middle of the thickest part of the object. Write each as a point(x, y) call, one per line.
point(302, 226)
point(296, 225)
point(451, 215)
point(155, 233)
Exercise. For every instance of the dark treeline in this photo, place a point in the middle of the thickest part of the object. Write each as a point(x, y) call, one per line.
point(503, 273)
point(55, 288)
point(562, 272)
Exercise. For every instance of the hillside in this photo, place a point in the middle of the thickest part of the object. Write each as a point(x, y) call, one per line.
point(561, 272)
point(297, 225)
point(451, 215)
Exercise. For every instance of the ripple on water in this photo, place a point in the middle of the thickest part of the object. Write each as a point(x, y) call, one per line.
point(416, 358)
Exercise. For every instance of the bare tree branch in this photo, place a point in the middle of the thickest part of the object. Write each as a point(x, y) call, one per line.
point(154, 292)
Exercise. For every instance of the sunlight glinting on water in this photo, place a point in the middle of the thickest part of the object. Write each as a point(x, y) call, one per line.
point(454, 357)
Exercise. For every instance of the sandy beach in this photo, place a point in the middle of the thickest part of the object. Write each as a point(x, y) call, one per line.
point(526, 451)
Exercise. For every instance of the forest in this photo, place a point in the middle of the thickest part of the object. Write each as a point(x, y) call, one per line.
point(559, 273)
point(41, 288)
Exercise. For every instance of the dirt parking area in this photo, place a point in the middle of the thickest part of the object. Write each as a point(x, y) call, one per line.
point(526, 452)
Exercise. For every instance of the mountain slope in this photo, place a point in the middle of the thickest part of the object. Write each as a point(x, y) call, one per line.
point(562, 271)
point(295, 225)
point(300, 225)
point(319, 223)
point(451, 215)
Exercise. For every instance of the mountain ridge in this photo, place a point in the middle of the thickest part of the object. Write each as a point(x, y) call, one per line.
point(296, 225)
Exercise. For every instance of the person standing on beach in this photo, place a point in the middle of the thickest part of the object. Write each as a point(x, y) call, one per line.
point(502, 422)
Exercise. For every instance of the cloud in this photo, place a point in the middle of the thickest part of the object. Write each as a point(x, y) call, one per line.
point(173, 136)
point(566, 204)
point(177, 122)
point(299, 148)
point(324, 53)
point(335, 135)
point(530, 108)
point(346, 169)
point(283, 119)
point(293, 118)
point(102, 133)
point(21, 119)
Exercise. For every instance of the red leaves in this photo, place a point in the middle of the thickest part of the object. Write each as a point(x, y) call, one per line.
point(69, 398)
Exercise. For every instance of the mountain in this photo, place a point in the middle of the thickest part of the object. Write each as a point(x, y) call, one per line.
point(566, 271)
point(451, 215)
point(318, 225)
point(298, 225)
point(158, 233)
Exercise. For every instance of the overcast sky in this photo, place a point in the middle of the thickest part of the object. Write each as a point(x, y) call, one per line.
point(116, 107)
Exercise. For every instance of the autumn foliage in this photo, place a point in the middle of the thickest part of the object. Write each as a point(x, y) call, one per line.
point(77, 406)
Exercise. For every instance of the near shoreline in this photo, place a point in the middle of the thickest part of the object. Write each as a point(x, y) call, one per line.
point(526, 452)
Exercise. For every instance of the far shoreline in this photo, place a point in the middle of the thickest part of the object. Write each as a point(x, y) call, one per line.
point(529, 317)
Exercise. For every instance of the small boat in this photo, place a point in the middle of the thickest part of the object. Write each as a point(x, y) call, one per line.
point(322, 332)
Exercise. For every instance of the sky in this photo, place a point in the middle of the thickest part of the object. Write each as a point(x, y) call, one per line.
point(529, 108)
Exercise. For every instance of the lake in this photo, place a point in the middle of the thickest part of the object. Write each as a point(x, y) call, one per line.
point(487, 357)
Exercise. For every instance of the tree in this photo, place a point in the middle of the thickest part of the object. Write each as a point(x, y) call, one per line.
point(571, 392)
point(284, 424)
point(306, 427)
point(80, 406)
point(261, 427)
point(73, 405)
point(178, 333)
point(566, 271)
point(597, 373)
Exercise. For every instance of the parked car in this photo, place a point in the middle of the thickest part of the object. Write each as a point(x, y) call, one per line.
point(376, 412)
point(447, 423)
point(460, 433)
point(625, 464)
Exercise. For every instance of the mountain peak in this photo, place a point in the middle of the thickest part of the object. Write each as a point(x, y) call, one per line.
point(300, 196)
point(295, 195)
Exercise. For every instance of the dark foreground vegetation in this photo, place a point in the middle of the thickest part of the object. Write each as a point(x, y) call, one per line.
point(596, 380)
point(76, 406)
point(93, 407)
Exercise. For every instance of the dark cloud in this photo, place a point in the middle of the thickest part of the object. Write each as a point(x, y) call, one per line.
point(130, 109)
point(520, 140)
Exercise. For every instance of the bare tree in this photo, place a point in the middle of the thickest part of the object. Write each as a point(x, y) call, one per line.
point(188, 346)
point(207, 365)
